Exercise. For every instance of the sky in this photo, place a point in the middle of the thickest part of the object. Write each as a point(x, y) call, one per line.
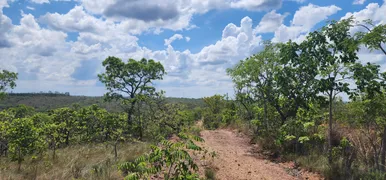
point(59, 45)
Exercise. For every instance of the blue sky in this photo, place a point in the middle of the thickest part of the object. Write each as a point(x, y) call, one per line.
point(58, 45)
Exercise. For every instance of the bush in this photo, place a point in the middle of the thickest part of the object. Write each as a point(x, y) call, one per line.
point(218, 112)
point(170, 159)
point(212, 121)
point(210, 174)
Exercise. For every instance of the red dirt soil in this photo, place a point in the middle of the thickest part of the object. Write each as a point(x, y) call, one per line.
point(234, 159)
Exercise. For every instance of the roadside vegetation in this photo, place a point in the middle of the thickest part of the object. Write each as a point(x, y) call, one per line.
point(288, 98)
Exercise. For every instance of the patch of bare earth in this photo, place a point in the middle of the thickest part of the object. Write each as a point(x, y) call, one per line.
point(235, 161)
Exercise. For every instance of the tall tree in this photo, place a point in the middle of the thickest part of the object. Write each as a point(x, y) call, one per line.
point(371, 85)
point(336, 50)
point(280, 76)
point(254, 78)
point(374, 37)
point(130, 82)
point(7, 80)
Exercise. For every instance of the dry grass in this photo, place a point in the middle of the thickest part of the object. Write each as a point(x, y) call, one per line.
point(315, 162)
point(94, 161)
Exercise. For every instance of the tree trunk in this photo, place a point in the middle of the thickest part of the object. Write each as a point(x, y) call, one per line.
point(129, 120)
point(330, 128)
point(54, 152)
point(140, 132)
point(68, 138)
point(383, 151)
point(140, 128)
point(282, 116)
point(376, 160)
point(19, 160)
point(265, 112)
point(129, 114)
point(115, 151)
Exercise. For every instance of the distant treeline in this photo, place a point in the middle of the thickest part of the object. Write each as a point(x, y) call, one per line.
point(43, 101)
point(49, 93)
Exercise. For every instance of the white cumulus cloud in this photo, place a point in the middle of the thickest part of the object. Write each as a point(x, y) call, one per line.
point(270, 22)
point(173, 38)
point(309, 16)
point(303, 21)
point(359, 2)
point(256, 5)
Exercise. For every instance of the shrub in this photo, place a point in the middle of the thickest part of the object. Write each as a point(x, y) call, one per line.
point(210, 174)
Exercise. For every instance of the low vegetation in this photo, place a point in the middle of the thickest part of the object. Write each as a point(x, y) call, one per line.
point(90, 142)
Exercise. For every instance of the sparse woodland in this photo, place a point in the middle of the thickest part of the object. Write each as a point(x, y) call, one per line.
point(311, 102)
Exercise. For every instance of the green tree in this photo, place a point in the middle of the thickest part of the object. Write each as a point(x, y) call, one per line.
point(254, 77)
point(336, 50)
point(5, 118)
point(22, 111)
point(23, 139)
point(374, 37)
point(113, 130)
point(53, 136)
point(375, 113)
point(65, 118)
point(7, 80)
point(371, 86)
point(50, 131)
point(213, 112)
point(161, 119)
point(281, 76)
point(91, 123)
point(130, 82)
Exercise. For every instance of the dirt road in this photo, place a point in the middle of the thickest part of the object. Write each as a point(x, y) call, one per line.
point(235, 161)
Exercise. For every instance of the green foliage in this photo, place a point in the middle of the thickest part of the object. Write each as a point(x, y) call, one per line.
point(334, 69)
point(131, 83)
point(280, 78)
point(46, 102)
point(303, 133)
point(374, 37)
point(63, 127)
point(131, 78)
point(23, 139)
point(171, 159)
point(165, 119)
point(282, 92)
point(22, 111)
point(7, 80)
point(25, 133)
point(218, 112)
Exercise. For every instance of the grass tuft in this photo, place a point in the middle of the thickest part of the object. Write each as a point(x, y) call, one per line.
point(210, 174)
